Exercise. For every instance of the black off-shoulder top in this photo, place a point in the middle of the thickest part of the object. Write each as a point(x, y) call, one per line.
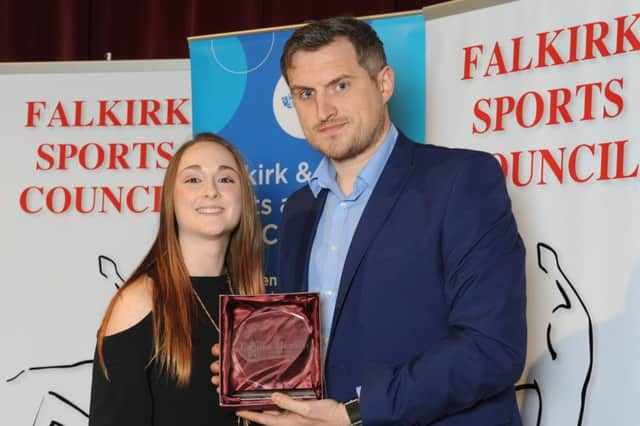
point(139, 394)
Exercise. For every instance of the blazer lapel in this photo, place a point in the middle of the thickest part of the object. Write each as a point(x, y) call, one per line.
point(388, 188)
point(308, 234)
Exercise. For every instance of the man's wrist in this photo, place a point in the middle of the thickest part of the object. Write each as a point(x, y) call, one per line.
point(353, 411)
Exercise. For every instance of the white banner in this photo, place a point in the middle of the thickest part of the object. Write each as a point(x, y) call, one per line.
point(85, 147)
point(552, 89)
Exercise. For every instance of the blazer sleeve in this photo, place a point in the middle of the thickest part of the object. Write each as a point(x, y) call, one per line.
point(124, 398)
point(484, 351)
point(299, 218)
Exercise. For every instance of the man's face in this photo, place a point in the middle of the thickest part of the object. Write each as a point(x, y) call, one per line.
point(342, 110)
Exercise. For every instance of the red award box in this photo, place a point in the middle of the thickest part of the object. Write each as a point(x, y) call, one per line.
point(269, 343)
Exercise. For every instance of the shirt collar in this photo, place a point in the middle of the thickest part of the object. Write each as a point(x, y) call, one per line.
point(324, 177)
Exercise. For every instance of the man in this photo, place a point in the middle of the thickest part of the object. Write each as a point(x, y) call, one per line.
point(413, 247)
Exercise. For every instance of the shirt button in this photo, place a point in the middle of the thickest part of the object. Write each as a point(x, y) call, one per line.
point(334, 247)
point(328, 293)
point(343, 204)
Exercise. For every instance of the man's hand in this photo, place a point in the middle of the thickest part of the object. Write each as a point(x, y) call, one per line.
point(215, 366)
point(322, 412)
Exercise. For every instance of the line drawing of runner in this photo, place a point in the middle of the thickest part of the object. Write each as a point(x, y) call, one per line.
point(54, 401)
point(571, 361)
point(108, 268)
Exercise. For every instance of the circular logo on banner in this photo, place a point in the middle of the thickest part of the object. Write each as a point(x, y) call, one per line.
point(283, 110)
point(231, 64)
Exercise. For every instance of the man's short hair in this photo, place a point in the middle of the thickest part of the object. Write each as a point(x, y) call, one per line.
point(317, 34)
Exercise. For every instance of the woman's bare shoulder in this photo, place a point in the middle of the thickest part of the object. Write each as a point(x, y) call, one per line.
point(132, 304)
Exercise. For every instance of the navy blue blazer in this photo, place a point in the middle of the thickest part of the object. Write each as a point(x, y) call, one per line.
point(430, 316)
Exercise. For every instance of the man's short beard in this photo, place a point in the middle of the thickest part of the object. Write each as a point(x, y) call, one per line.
point(358, 145)
point(356, 148)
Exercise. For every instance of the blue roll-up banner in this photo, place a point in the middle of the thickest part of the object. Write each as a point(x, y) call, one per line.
point(239, 93)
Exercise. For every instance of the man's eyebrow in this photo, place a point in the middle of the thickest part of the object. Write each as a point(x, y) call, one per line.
point(337, 79)
point(330, 83)
point(296, 87)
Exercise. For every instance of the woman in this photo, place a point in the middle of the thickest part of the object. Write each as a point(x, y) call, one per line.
point(153, 351)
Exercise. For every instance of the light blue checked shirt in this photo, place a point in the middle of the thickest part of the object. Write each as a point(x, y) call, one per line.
point(337, 225)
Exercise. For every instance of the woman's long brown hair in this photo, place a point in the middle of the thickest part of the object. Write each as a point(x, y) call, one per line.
point(174, 305)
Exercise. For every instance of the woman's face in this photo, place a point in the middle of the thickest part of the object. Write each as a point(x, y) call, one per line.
point(207, 193)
